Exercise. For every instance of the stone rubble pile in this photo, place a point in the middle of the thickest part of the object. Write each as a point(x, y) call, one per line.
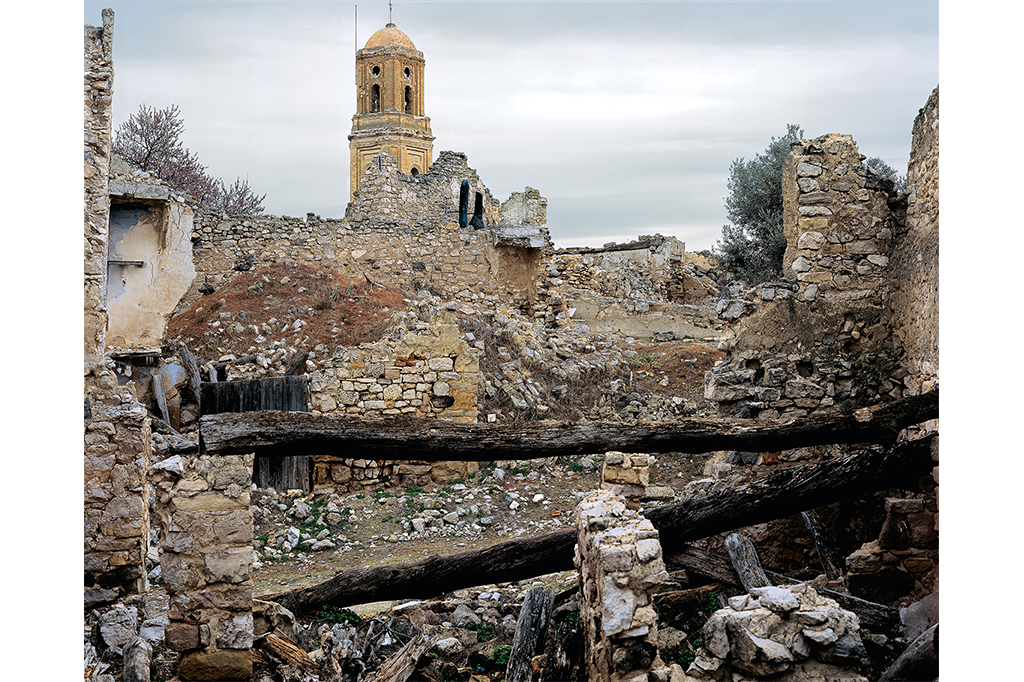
point(788, 633)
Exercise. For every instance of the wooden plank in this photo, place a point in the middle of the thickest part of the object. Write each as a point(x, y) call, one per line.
point(825, 545)
point(432, 440)
point(784, 494)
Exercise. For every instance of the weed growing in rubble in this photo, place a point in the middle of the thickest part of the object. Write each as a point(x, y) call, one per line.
point(485, 631)
point(333, 614)
point(501, 654)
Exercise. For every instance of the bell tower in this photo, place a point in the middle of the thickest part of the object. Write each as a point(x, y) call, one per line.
point(389, 106)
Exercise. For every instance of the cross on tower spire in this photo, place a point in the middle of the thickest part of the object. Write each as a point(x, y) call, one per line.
point(389, 12)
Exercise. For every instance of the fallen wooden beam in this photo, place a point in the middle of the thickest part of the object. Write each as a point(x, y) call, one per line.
point(276, 433)
point(875, 617)
point(784, 493)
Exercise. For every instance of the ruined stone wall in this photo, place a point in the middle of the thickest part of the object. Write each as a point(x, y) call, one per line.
point(99, 83)
point(117, 456)
point(914, 267)
point(618, 556)
point(390, 200)
point(400, 230)
point(149, 255)
point(817, 340)
point(205, 518)
point(429, 373)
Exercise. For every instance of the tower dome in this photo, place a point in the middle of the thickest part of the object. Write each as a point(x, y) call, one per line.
point(390, 113)
point(389, 35)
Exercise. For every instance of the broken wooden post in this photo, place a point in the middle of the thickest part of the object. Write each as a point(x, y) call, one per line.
point(400, 666)
point(920, 660)
point(744, 560)
point(188, 361)
point(825, 545)
point(531, 632)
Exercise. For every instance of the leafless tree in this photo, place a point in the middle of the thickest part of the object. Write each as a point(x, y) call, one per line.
point(151, 140)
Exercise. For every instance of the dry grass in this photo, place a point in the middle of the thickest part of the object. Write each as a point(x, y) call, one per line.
point(337, 311)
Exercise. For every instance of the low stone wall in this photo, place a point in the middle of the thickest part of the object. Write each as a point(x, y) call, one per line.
point(618, 556)
point(205, 519)
point(117, 456)
point(431, 374)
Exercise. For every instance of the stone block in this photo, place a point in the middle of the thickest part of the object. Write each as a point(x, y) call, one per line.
point(221, 664)
point(181, 636)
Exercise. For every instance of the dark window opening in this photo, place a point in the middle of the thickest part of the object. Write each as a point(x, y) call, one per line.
point(375, 99)
point(408, 99)
point(407, 72)
point(414, 170)
point(375, 70)
point(478, 212)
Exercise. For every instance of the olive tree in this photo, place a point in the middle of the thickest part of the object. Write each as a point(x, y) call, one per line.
point(151, 140)
point(753, 244)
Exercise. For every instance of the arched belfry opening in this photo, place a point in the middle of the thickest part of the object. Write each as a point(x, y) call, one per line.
point(390, 106)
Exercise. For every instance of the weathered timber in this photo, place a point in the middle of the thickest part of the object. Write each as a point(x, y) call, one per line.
point(531, 631)
point(281, 647)
point(875, 617)
point(825, 544)
point(401, 665)
point(138, 655)
point(273, 433)
point(785, 493)
point(285, 393)
point(920, 661)
point(744, 560)
point(564, 653)
point(272, 395)
point(188, 361)
point(161, 399)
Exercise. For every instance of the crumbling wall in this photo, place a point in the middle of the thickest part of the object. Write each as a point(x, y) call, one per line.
point(429, 372)
point(205, 518)
point(149, 256)
point(400, 230)
point(618, 556)
point(817, 340)
point(787, 633)
point(914, 268)
point(99, 83)
point(117, 456)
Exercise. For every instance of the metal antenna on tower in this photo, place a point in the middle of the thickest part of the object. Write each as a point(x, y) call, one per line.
point(389, 12)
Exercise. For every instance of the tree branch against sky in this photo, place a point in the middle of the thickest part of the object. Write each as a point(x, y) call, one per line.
point(151, 140)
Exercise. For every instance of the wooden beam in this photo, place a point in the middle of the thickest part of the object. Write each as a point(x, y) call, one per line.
point(273, 433)
point(785, 493)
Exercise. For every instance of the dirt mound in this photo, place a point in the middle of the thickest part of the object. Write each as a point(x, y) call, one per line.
point(285, 305)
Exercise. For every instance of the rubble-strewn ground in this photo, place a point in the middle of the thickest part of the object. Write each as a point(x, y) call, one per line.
point(255, 326)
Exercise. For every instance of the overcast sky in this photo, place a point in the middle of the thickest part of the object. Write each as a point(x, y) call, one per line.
point(625, 115)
